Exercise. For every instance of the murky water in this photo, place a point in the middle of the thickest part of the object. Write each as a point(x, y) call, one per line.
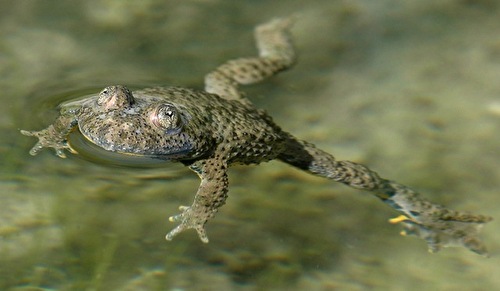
point(409, 88)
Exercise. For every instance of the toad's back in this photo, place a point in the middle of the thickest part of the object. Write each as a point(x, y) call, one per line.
point(234, 129)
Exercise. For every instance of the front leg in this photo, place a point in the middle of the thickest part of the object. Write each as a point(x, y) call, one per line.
point(211, 195)
point(56, 135)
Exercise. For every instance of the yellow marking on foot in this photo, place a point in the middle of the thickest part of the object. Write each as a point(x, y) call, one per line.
point(398, 219)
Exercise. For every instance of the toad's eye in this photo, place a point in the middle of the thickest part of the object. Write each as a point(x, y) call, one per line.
point(167, 117)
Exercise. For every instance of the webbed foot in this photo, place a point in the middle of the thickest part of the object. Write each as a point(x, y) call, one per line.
point(189, 219)
point(47, 139)
point(447, 231)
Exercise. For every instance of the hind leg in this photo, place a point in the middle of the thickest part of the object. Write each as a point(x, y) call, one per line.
point(276, 54)
point(437, 225)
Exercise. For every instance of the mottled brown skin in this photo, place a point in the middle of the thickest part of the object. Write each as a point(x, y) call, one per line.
point(210, 130)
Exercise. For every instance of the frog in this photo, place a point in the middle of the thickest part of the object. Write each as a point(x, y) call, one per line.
point(212, 129)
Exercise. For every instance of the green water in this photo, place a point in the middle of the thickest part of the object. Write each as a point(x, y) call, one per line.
point(409, 88)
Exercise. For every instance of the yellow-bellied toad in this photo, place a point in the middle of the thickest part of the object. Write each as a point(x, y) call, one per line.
point(212, 129)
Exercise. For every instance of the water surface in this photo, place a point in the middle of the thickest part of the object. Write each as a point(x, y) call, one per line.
point(409, 88)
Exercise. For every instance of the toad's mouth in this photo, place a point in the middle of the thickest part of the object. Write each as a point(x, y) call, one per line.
point(88, 150)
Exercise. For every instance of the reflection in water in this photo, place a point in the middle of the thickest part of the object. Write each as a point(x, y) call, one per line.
point(91, 152)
